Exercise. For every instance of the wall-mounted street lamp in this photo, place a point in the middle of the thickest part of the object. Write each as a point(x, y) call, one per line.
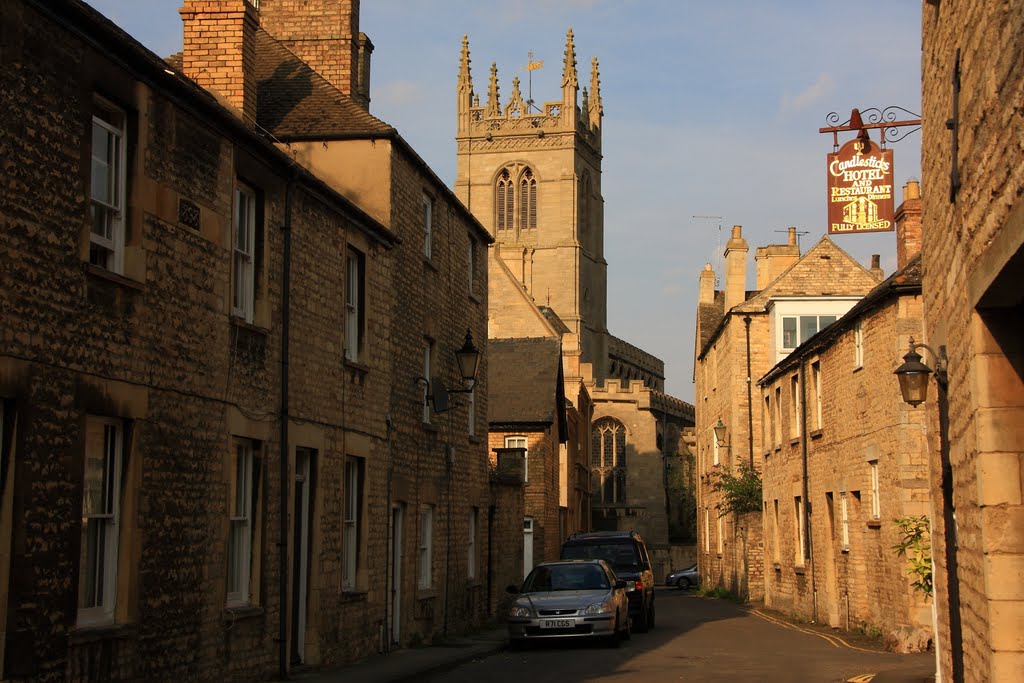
point(468, 360)
point(913, 374)
point(720, 431)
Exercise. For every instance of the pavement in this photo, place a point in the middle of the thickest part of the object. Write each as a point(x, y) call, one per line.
point(415, 663)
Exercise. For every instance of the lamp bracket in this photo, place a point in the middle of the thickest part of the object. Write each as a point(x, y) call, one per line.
point(939, 358)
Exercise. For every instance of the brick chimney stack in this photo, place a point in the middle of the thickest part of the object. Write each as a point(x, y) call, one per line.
point(908, 224)
point(735, 268)
point(219, 50)
point(324, 34)
point(706, 293)
point(876, 267)
point(773, 260)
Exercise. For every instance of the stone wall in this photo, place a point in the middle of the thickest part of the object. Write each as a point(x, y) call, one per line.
point(851, 577)
point(158, 348)
point(972, 246)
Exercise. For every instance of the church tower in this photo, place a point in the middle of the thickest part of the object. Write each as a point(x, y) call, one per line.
point(532, 176)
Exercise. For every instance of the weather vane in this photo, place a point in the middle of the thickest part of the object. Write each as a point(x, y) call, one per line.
point(530, 67)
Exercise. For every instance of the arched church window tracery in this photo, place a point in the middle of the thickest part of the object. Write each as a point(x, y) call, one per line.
point(515, 201)
point(608, 462)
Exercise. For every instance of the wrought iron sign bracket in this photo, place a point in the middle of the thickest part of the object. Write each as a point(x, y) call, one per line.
point(885, 120)
point(953, 125)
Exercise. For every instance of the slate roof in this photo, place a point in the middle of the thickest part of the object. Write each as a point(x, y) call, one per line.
point(525, 380)
point(294, 101)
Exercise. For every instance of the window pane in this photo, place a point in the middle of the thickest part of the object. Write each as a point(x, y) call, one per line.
point(789, 333)
point(825, 320)
point(620, 447)
point(808, 327)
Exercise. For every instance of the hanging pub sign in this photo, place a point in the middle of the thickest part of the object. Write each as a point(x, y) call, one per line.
point(860, 188)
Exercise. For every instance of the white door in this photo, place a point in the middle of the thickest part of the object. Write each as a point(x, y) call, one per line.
point(395, 587)
point(527, 545)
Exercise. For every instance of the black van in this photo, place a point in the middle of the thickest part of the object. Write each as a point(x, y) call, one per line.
point(626, 552)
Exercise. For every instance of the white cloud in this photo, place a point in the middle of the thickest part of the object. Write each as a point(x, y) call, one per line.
point(821, 88)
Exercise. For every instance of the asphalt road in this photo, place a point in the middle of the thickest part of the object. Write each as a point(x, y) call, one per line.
point(696, 639)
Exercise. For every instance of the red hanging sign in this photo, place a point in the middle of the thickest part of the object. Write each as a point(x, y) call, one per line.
point(860, 188)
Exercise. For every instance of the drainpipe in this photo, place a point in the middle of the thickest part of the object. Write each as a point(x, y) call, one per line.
point(808, 546)
point(286, 232)
point(750, 399)
point(949, 535)
point(389, 597)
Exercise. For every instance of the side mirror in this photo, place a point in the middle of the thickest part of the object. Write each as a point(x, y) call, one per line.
point(620, 583)
point(514, 590)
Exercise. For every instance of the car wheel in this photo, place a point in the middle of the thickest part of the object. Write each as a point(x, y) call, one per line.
point(616, 637)
point(683, 583)
point(643, 621)
point(627, 631)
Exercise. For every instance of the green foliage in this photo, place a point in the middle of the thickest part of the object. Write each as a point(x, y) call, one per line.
point(720, 593)
point(742, 490)
point(869, 630)
point(916, 546)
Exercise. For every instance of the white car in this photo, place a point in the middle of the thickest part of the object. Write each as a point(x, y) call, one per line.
point(569, 599)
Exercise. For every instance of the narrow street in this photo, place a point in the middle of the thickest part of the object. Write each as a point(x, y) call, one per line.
point(696, 639)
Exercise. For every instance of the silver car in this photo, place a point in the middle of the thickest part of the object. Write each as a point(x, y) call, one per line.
point(684, 578)
point(570, 599)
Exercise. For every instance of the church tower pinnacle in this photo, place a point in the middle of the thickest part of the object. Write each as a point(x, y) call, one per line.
point(570, 82)
point(493, 102)
point(465, 86)
point(595, 108)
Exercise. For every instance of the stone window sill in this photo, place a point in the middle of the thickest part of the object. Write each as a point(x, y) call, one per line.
point(249, 327)
point(816, 434)
point(112, 277)
point(81, 635)
point(799, 570)
point(874, 524)
point(241, 612)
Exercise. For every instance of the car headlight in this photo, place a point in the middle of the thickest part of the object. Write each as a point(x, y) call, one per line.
point(598, 608)
point(519, 611)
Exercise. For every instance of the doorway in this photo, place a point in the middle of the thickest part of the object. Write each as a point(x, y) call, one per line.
point(395, 571)
point(300, 551)
point(527, 545)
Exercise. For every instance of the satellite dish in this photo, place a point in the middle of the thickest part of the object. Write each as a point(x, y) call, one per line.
point(439, 395)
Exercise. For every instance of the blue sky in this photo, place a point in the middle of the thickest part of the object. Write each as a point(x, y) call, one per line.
point(711, 109)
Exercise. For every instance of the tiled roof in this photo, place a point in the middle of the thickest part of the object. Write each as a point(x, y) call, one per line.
point(293, 100)
point(524, 380)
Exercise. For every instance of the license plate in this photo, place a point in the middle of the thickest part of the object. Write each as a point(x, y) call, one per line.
point(630, 586)
point(558, 623)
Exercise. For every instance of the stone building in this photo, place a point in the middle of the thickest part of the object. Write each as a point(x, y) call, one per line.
point(740, 335)
point(973, 251)
point(529, 416)
point(219, 456)
point(532, 175)
point(843, 458)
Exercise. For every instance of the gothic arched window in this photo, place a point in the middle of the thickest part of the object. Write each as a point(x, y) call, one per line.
point(527, 201)
point(504, 198)
point(515, 201)
point(608, 462)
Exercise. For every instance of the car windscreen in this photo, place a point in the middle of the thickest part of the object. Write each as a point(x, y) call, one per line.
point(621, 556)
point(566, 577)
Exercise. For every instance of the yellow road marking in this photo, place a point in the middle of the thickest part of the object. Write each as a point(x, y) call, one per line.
point(835, 641)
